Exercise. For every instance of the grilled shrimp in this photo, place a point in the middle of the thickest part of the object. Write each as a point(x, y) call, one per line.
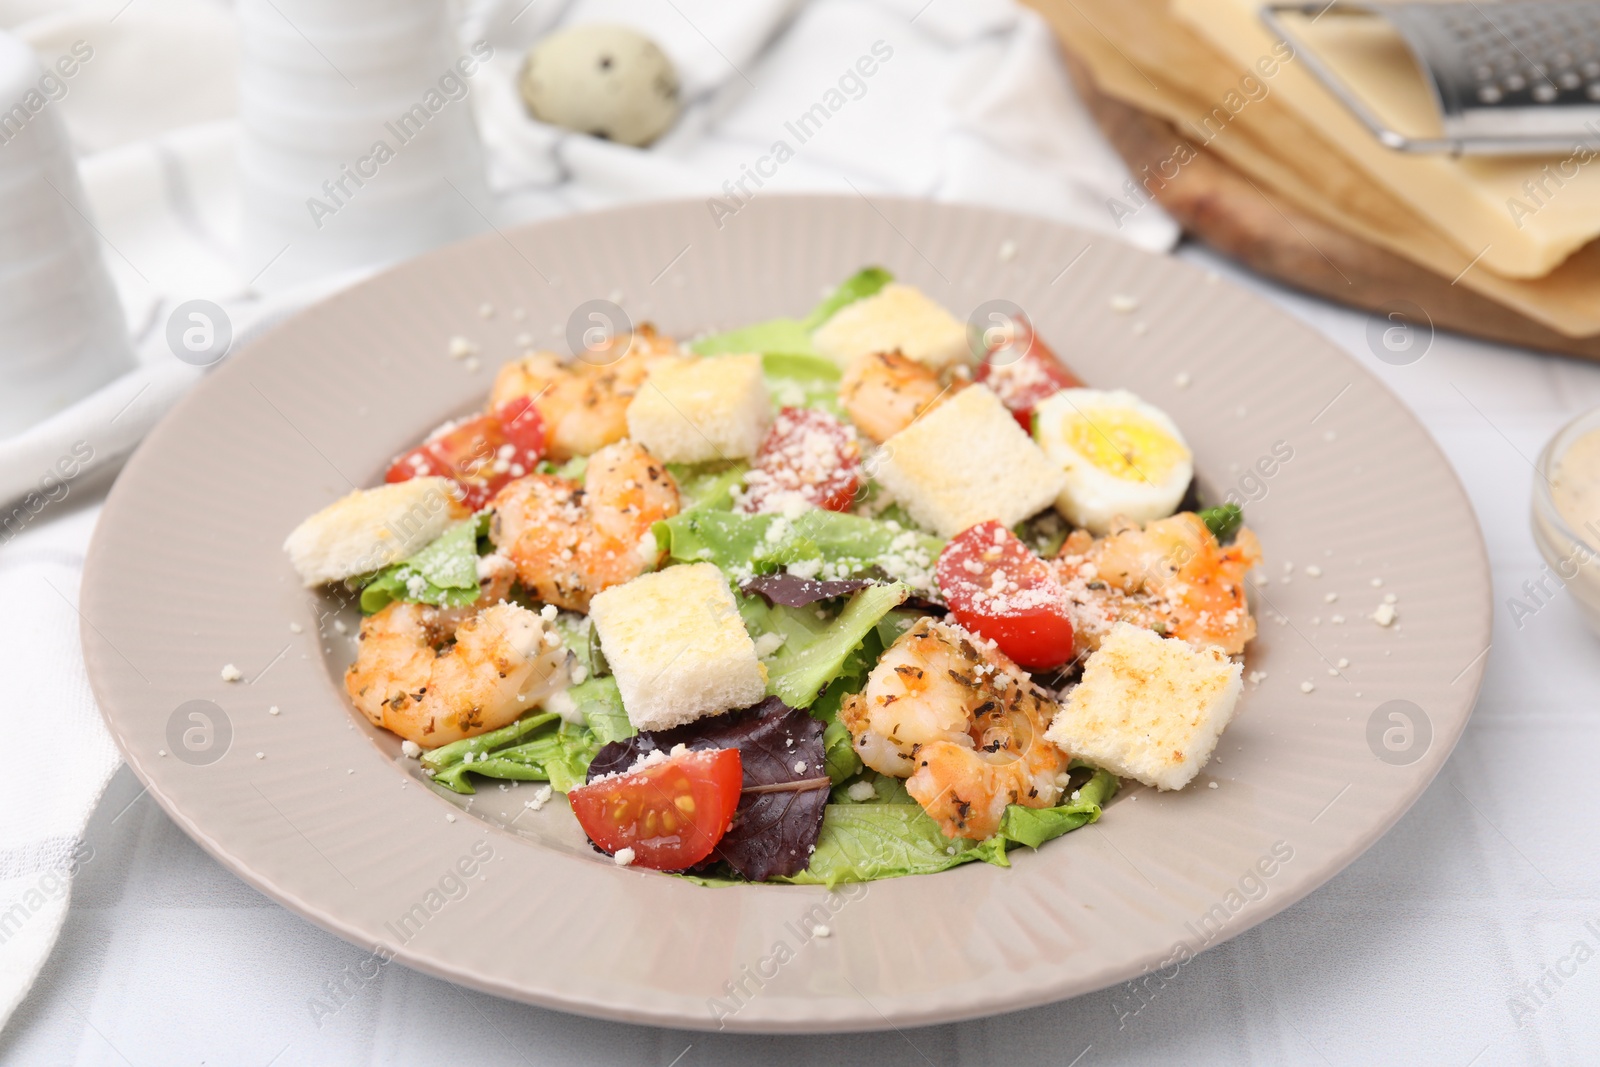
point(962, 724)
point(569, 542)
point(885, 392)
point(584, 403)
point(410, 678)
point(1171, 576)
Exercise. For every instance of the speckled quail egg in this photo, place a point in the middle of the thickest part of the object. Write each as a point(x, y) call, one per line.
point(606, 81)
point(1122, 456)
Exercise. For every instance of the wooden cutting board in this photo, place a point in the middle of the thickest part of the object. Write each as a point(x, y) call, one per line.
point(1217, 204)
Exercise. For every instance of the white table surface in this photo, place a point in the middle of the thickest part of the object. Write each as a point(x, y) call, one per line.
point(1414, 954)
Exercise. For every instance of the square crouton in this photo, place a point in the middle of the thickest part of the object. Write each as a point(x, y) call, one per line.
point(896, 318)
point(965, 462)
point(1149, 707)
point(702, 409)
point(372, 528)
point(677, 646)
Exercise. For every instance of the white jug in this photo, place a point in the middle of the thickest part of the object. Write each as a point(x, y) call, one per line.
point(62, 331)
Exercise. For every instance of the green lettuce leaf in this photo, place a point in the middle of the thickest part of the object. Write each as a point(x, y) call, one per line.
point(838, 748)
point(858, 286)
point(789, 336)
point(891, 836)
point(524, 751)
point(1223, 521)
point(600, 701)
point(895, 623)
point(707, 485)
point(817, 651)
point(746, 545)
point(797, 380)
point(793, 336)
point(445, 573)
point(1034, 826)
point(865, 842)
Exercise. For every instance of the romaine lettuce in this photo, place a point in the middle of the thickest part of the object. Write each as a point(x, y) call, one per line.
point(891, 836)
point(793, 336)
point(780, 336)
point(797, 380)
point(815, 651)
point(1223, 521)
point(865, 842)
point(1034, 826)
point(524, 751)
point(444, 572)
point(600, 702)
point(707, 485)
point(745, 545)
point(860, 285)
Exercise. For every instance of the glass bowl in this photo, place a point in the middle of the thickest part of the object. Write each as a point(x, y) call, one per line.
point(1571, 550)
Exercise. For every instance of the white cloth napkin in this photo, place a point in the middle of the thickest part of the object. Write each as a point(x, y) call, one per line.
point(971, 105)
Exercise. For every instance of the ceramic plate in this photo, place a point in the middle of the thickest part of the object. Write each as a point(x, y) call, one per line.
point(1345, 725)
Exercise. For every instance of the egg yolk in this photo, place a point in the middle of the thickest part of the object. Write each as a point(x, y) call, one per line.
point(1125, 445)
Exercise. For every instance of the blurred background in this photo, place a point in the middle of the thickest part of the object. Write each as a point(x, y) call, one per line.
point(178, 175)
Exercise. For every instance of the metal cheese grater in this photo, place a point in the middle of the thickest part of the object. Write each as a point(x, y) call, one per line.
point(1507, 78)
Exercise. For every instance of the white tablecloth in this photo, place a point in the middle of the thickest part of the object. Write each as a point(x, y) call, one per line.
point(1430, 949)
point(1454, 941)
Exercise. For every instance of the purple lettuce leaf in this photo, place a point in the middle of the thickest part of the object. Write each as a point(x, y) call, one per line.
point(780, 814)
point(793, 591)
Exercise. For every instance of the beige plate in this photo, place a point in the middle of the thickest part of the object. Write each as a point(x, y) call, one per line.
point(319, 811)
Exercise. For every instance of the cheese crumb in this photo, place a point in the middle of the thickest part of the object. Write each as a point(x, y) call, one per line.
point(1313, 571)
point(822, 931)
point(1343, 663)
point(1123, 304)
point(799, 766)
point(273, 710)
point(1182, 380)
point(862, 791)
point(410, 748)
point(622, 857)
point(261, 755)
point(1385, 615)
point(1211, 785)
point(1330, 598)
point(486, 311)
point(1257, 677)
point(541, 797)
point(230, 673)
point(296, 628)
point(1377, 583)
point(1306, 687)
point(461, 348)
point(449, 818)
point(1008, 251)
point(769, 643)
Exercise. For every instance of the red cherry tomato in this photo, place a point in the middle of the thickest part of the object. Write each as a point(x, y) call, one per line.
point(481, 455)
point(997, 588)
point(672, 813)
point(809, 454)
point(1022, 371)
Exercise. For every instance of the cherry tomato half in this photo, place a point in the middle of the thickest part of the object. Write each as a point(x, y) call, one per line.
point(997, 588)
point(481, 455)
point(1022, 371)
point(671, 813)
point(809, 454)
